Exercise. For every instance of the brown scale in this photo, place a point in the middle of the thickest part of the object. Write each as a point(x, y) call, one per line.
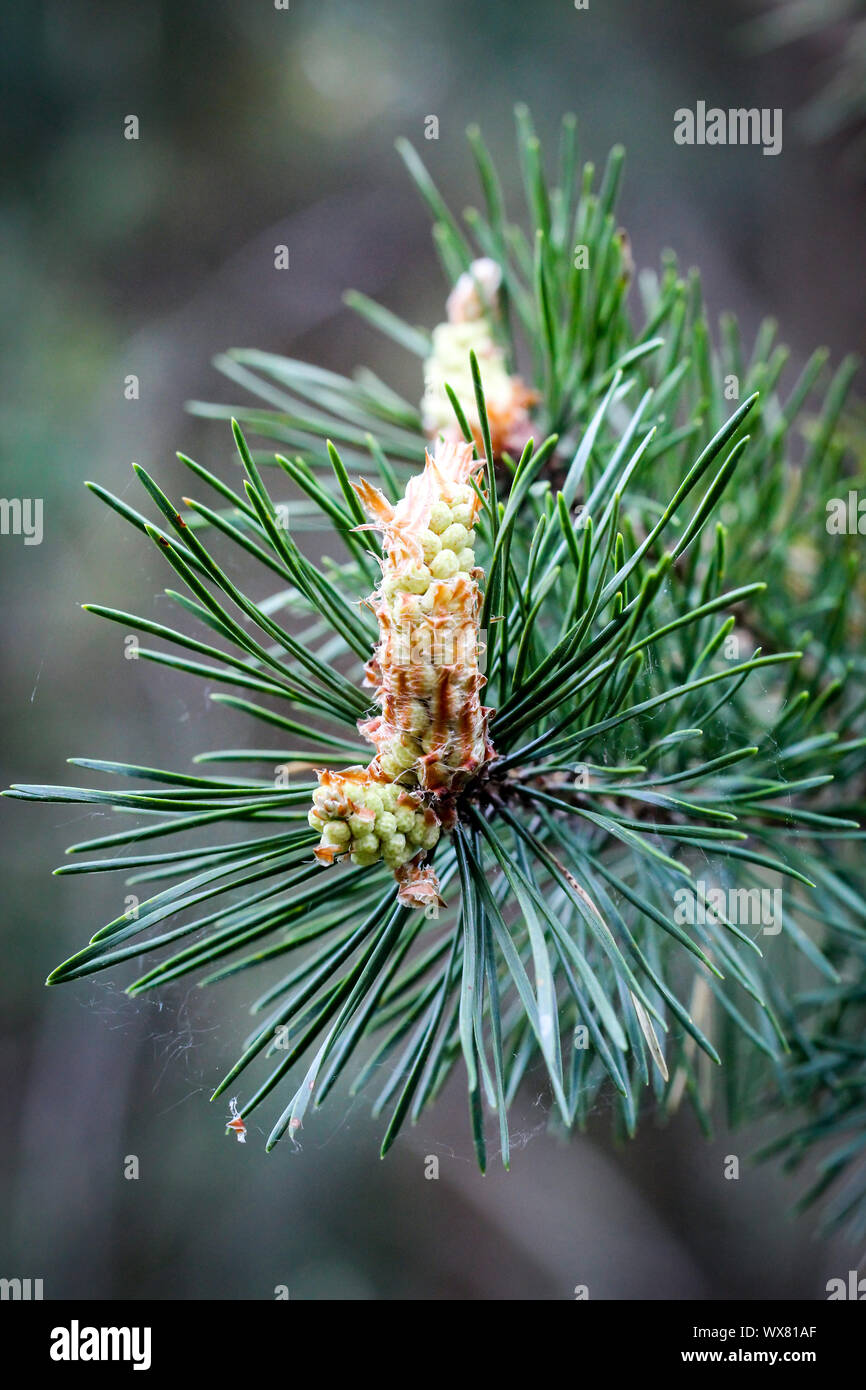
point(442, 707)
point(466, 721)
point(396, 692)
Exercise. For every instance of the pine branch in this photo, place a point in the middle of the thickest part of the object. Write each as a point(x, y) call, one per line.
point(635, 536)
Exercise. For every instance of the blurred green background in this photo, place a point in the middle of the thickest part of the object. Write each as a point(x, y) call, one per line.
point(261, 126)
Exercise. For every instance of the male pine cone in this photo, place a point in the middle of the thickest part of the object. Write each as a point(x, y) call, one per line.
point(430, 734)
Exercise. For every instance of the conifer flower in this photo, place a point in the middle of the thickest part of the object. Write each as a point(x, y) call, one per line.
point(430, 734)
point(369, 819)
point(431, 731)
point(471, 308)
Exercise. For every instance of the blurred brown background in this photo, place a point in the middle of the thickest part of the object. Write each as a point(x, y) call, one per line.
point(261, 126)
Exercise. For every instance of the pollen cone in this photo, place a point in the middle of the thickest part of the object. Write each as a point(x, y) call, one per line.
point(431, 731)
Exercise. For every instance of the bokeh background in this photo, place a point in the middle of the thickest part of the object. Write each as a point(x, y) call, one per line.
point(261, 126)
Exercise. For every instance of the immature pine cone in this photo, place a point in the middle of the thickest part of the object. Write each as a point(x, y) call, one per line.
point(431, 733)
point(471, 306)
point(432, 729)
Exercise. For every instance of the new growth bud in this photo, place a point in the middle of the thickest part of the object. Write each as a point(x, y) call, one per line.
point(369, 819)
point(431, 733)
point(472, 308)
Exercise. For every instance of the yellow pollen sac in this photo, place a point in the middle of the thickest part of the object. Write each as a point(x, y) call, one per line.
point(446, 564)
point(456, 537)
point(440, 517)
point(431, 545)
point(415, 579)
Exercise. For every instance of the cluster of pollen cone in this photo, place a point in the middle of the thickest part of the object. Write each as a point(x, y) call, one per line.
point(472, 308)
point(430, 734)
